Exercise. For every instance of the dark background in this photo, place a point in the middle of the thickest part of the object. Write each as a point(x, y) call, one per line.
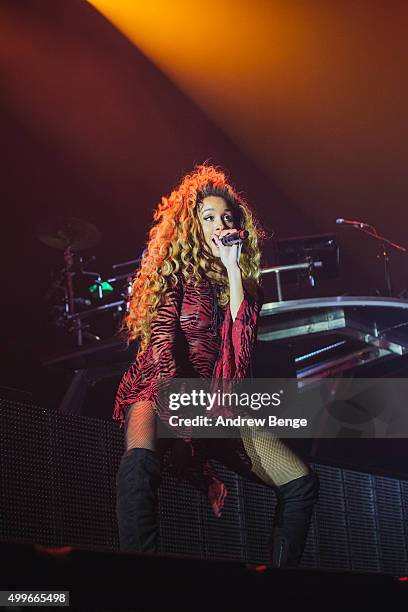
point(91, 128)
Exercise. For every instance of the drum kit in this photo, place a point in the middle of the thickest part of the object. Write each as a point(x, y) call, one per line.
point(79, 296)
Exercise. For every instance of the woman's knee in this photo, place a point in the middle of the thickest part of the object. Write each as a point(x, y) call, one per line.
point(141, 426)
point(304, 488)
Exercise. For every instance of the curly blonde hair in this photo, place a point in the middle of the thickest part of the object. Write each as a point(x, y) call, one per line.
point(176, 245)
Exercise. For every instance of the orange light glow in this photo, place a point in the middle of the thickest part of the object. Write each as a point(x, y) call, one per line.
point(307, 89)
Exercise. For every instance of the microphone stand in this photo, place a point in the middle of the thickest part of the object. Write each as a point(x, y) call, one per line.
point(383, 252)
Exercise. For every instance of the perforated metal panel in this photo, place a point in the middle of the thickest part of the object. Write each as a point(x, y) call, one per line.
point(391, 528)
point(224, 537)
point(258, 506)
point(331, 526)
point(26, 459)
point(361, 521)
point(181, 525)
point(58, 487)
point(57, 477)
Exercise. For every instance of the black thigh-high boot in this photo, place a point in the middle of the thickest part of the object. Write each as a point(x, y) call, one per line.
point(137, 482)
point(294, 510)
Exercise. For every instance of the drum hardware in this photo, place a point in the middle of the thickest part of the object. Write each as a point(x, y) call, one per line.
point(74, 289)
point(82, 330)
point(128, 285)
point(80, 326)
point(68, 232)
point(119, 305)
point(127, 276)
point(132, 262)
point(100, 289)
point(69, 235)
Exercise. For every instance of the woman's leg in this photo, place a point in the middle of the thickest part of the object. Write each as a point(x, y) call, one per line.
point(272, 461)
point(296, 487)
point(140, 426)
point(262, 458)
point(137, 481)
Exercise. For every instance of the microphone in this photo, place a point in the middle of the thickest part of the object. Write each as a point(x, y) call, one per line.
point(351, 222)
point(235, 237)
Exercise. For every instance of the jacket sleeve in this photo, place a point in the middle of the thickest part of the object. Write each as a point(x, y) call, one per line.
point(238, 338)
point(244, 332)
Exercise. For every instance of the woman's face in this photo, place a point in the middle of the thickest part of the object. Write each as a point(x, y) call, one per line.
point(215, 216)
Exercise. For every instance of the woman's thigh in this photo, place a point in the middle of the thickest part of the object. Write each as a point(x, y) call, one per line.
point(258, 456)
point(272, 460)
point(140, 428)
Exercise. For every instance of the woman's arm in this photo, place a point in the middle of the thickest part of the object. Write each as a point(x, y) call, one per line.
point(236, 289)
point(240, 324)
point(229, 256)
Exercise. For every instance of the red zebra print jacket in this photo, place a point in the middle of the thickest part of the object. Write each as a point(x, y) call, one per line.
point(191, 336)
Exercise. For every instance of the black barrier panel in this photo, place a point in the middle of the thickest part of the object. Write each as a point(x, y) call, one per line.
point(57, 477)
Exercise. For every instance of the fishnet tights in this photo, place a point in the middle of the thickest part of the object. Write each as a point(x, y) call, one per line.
point(272, 461)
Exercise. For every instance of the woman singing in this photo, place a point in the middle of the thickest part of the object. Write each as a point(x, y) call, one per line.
point(194, 309)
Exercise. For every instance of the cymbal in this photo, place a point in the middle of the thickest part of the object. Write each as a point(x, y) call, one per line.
point(61, 232)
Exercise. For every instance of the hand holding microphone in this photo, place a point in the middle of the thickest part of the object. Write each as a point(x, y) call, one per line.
point(236, 237)
point(229, 242)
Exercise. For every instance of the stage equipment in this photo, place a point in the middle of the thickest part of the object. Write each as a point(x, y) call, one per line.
point(68, 232)
point(58, 489)
point(309, 258)
point(341, 338)
point(79, 298)
point(89, 305)
point(336, 334)
point(305, 340)
point(383, 247)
